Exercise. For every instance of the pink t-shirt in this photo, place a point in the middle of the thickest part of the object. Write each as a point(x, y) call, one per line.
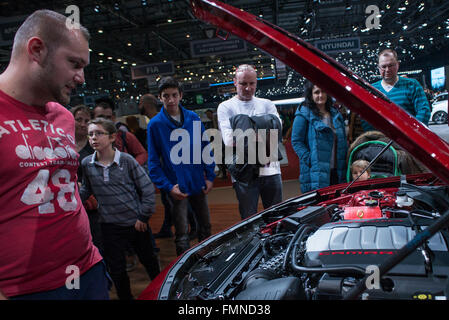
point(44, 229)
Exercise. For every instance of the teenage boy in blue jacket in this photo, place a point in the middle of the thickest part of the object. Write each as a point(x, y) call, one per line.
point(176, 163)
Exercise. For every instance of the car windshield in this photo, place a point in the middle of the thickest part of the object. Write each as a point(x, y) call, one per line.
point(441, 97)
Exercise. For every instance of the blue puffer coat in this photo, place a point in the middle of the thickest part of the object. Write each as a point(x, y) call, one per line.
point(312, 141)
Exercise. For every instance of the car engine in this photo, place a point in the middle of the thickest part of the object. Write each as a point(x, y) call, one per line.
point(321, 251)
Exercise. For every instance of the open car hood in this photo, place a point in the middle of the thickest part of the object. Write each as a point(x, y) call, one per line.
point(335, 79)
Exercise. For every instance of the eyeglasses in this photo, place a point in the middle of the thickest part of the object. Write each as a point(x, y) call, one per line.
point(97, 133)
point(392, 65)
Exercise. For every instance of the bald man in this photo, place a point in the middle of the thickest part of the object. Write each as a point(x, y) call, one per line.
point(268, 185)
point(148, 105)
point(46, 247)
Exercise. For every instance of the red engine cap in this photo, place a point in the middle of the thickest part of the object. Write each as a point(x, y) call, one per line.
point(363, 212)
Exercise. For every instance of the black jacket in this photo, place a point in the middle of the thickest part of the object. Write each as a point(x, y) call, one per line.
point(244, 166)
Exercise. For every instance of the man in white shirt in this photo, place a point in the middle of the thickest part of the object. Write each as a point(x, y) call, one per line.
point(269, 184)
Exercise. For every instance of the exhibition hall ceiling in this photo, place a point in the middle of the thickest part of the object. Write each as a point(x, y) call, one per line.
point(160, 32)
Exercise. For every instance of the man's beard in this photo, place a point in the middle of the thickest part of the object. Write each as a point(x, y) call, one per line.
point(55, 91)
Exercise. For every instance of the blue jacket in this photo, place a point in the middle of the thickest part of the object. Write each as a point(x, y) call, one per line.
point(312, 141)
point(181, 161)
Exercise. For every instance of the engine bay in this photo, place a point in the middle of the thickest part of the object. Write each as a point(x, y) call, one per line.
point(316, 249)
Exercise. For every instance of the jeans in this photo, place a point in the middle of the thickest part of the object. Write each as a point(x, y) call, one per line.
point(115, 240)
point(94, 284)
point(181, 220)
point(268, 187)
point(168, 208)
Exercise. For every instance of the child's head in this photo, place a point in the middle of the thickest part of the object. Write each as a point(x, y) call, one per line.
point(357, 167)
point(170, 93)
point(101, 133)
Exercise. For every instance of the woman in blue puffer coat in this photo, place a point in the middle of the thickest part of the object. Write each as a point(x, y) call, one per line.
point(319, 140)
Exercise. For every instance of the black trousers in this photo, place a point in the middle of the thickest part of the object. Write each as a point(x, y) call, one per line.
point(333, 177)
point(95, 229)
point(115, 242)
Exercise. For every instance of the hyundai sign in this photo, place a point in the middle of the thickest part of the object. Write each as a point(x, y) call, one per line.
point(338, 45)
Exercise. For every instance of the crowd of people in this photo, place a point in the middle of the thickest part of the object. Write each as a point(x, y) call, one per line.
point(78, 187)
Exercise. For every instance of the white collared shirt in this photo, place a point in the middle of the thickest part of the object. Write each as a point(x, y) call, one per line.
point(106, 167)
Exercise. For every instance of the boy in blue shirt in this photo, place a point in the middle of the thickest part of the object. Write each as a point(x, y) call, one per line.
point(186, 181)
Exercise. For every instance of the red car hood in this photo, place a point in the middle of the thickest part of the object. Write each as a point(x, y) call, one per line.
point(335, 79)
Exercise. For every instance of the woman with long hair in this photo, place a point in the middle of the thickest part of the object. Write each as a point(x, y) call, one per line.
point(82, 116)
point(319, 140)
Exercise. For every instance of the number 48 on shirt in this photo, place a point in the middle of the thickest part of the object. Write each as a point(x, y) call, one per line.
point(38, 191)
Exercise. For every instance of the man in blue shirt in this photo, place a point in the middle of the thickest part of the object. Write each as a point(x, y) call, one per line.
point(405, 92)
point(189, 179)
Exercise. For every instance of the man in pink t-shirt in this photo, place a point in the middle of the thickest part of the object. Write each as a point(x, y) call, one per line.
point(46, 250)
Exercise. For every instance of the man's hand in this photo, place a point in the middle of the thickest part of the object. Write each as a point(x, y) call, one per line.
point(177, 194)
point(209, 185)
point(141, 226)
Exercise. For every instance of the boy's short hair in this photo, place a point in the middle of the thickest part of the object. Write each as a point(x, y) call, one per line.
point(81, 108)
point(107, 124)
point(169, 82)
point(105, 103)
point(360, 164)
